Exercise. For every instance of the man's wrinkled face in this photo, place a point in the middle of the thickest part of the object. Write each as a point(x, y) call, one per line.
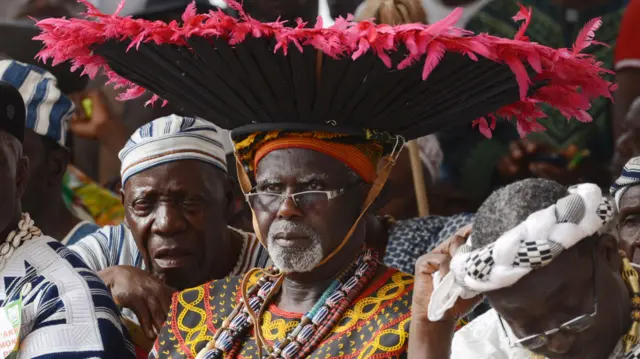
point(299, 236)
point(629, 226)
point(548, 297)
point(177, 213)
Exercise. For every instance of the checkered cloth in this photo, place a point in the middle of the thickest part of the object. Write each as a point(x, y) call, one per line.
point(169, 139)
point(630, 177)
point(531, 245)
point(48, 109)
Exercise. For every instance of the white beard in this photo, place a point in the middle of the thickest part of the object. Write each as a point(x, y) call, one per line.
point(294, 260)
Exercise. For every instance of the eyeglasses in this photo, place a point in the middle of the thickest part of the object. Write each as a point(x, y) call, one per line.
point(574, 326)
point(306, 200)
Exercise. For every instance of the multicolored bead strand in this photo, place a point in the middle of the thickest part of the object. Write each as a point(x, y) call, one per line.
point(314, 325)
point(365, 271)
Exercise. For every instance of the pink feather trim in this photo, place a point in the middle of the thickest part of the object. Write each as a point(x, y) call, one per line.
point(573, 79)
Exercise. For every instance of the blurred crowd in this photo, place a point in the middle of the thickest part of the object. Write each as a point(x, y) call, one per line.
point(78, 170)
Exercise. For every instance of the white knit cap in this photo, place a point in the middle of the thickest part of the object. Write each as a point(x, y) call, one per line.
point(169, 139)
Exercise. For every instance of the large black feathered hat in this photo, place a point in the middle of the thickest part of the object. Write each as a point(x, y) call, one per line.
point(366, 80)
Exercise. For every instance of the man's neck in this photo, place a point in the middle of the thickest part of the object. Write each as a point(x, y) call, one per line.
point(223, 266)
point(301, 291)
point(11, 226)
point(55, 219)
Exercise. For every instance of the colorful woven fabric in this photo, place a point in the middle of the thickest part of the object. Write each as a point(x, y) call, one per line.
point(376, 324)
point(89, 201)
point(362, 159)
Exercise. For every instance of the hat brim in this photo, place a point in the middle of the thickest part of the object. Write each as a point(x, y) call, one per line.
point(409, 80)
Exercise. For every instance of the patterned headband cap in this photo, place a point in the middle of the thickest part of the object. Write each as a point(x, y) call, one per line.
point(531, 245)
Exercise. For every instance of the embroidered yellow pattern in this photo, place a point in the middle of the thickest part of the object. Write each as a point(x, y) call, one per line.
point(376, 345)
point(367, 307)
point(278, 329)
point(198, 333)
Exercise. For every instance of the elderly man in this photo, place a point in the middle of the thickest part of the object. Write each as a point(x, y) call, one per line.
point(48, 111)
point(53, 306)
point(544, 258)
point(626, 191)
point(310, 126)
point(177, 197)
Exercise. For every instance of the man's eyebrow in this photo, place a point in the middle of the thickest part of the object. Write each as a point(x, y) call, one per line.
point(313, 177)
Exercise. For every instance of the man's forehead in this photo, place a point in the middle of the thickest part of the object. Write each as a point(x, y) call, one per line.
point(631, 198)
point(562, 274)
point(177, 173)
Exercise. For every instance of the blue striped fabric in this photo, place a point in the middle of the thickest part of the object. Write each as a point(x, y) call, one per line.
point(629, 177)
point(68, 312)
point(169, 139)
point(48, 110)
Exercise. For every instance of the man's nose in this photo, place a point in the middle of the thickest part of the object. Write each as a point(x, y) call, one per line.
point(169, 219)
point(288, 209)
point(560, 342)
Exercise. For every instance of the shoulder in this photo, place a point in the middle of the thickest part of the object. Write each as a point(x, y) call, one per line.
point(253, 254)
point(64, 298)
point(376, 325)
point(80, 231)
point(385, 301)
point(483, 338)
point(198, 310)
point(409, 239)
point(108, 246)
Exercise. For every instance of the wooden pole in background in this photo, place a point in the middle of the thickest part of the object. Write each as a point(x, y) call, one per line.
point(419, 183)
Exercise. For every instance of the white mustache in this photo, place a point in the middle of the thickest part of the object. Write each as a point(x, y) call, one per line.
point(288, 226)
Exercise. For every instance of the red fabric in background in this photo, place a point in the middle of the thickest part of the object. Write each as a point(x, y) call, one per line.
point(627, 52)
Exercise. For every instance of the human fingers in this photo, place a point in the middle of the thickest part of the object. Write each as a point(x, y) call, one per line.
point(431, 263)
point(141, 310)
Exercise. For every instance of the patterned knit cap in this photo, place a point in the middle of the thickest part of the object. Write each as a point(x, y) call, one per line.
point(169, 139)
point(48, 109)
point(630, 177)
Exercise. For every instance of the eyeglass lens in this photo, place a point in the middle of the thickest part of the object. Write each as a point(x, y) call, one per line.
point(303, 200)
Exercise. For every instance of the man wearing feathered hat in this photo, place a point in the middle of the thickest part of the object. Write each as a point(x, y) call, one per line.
point(317, 126)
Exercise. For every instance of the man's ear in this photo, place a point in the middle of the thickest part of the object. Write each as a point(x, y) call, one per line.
point(57, 163)
point(233, 196)
point(608, 249)
point(22, 175)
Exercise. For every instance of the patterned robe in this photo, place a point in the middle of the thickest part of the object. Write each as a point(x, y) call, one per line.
point(376, 325)
point(67, 310)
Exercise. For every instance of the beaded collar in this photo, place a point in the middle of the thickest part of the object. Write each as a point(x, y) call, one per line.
point(26, 230)
point(314, 325)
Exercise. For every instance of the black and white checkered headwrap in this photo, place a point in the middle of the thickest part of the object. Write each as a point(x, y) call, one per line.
point(532, 244)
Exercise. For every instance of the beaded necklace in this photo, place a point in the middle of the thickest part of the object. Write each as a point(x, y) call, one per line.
point(315, 325)
point(26, 230)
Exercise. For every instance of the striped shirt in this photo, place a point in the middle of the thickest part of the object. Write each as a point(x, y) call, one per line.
point(114, 245)
point(67, 310)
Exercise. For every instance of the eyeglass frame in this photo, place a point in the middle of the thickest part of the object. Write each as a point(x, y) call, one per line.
point(331, 194)
point(547, 334)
